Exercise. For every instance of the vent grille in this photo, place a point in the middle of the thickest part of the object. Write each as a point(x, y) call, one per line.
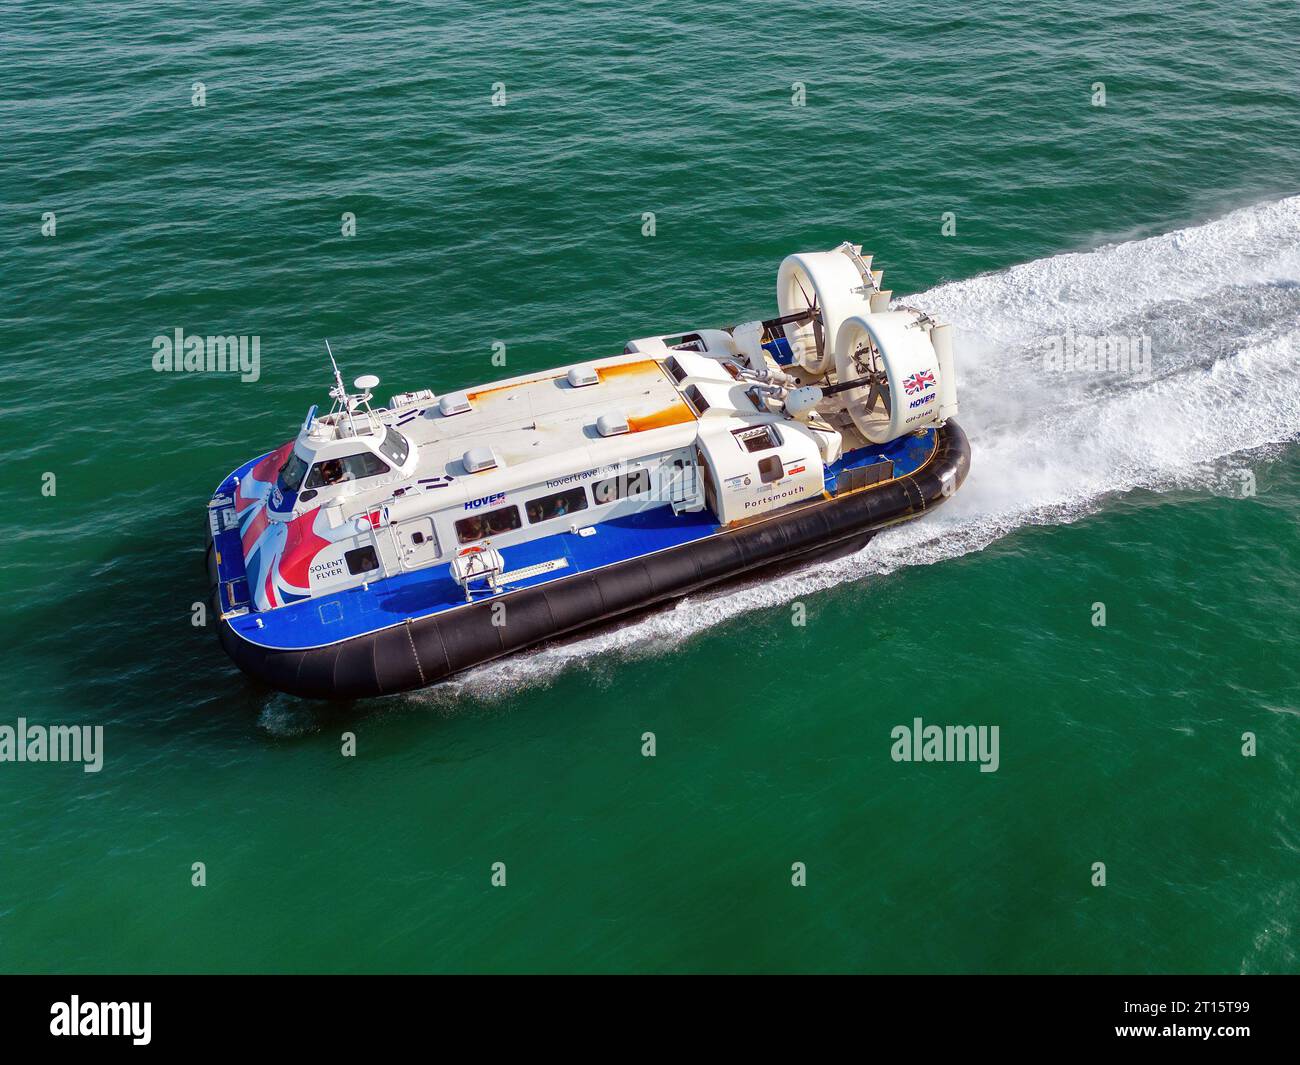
point(863, 476)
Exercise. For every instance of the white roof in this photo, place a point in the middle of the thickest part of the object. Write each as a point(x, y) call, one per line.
point(541, 427)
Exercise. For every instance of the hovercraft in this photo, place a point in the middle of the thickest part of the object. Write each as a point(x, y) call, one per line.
point(386, 548)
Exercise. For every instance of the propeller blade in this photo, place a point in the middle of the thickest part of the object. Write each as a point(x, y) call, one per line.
point(879, 390)
point(809, 303)
point(818, 338)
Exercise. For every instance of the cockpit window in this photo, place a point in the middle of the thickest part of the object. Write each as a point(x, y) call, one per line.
point(395, 447)
point(348, 468)
point(291, 473)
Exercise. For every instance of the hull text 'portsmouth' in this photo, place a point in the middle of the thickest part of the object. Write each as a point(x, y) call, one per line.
point(385, 548)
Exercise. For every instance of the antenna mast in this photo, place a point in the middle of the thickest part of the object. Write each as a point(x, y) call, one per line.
point(339, 393)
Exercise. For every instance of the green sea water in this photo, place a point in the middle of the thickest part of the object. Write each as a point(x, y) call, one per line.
point(1171, 498)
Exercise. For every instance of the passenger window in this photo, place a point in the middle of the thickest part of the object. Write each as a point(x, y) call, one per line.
point(493, 523)
point(557, 505)
point(361, 560)
point(770, 469)
point(625, 484)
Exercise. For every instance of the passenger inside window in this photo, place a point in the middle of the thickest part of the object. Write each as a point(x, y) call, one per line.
point(626, 484)
point(471, 529)
point(481, 526)
point(504, 520)
point(361, 560)
point(557, 505)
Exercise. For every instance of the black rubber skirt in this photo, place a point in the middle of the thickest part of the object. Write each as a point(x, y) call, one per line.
point(424, 651)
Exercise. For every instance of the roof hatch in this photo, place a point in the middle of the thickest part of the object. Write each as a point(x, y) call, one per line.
point(582, 376)
point(612, 424)
point(478, 459)
point(453, 403)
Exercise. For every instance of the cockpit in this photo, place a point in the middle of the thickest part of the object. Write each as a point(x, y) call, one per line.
point(301, 479)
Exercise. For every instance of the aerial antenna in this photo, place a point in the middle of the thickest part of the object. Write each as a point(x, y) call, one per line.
point(339, 392)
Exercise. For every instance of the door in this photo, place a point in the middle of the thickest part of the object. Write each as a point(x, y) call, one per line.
point(710, 488)
point(417, 542)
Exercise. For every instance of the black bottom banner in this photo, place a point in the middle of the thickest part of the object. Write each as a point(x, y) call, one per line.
point(338, 1013)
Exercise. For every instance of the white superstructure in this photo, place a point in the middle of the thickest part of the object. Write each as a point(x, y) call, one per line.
point(737, 422)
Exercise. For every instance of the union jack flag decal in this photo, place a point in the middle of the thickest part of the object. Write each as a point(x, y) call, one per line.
point(919, 382)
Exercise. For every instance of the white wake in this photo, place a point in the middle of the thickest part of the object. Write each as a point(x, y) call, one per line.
point(1220, 303)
